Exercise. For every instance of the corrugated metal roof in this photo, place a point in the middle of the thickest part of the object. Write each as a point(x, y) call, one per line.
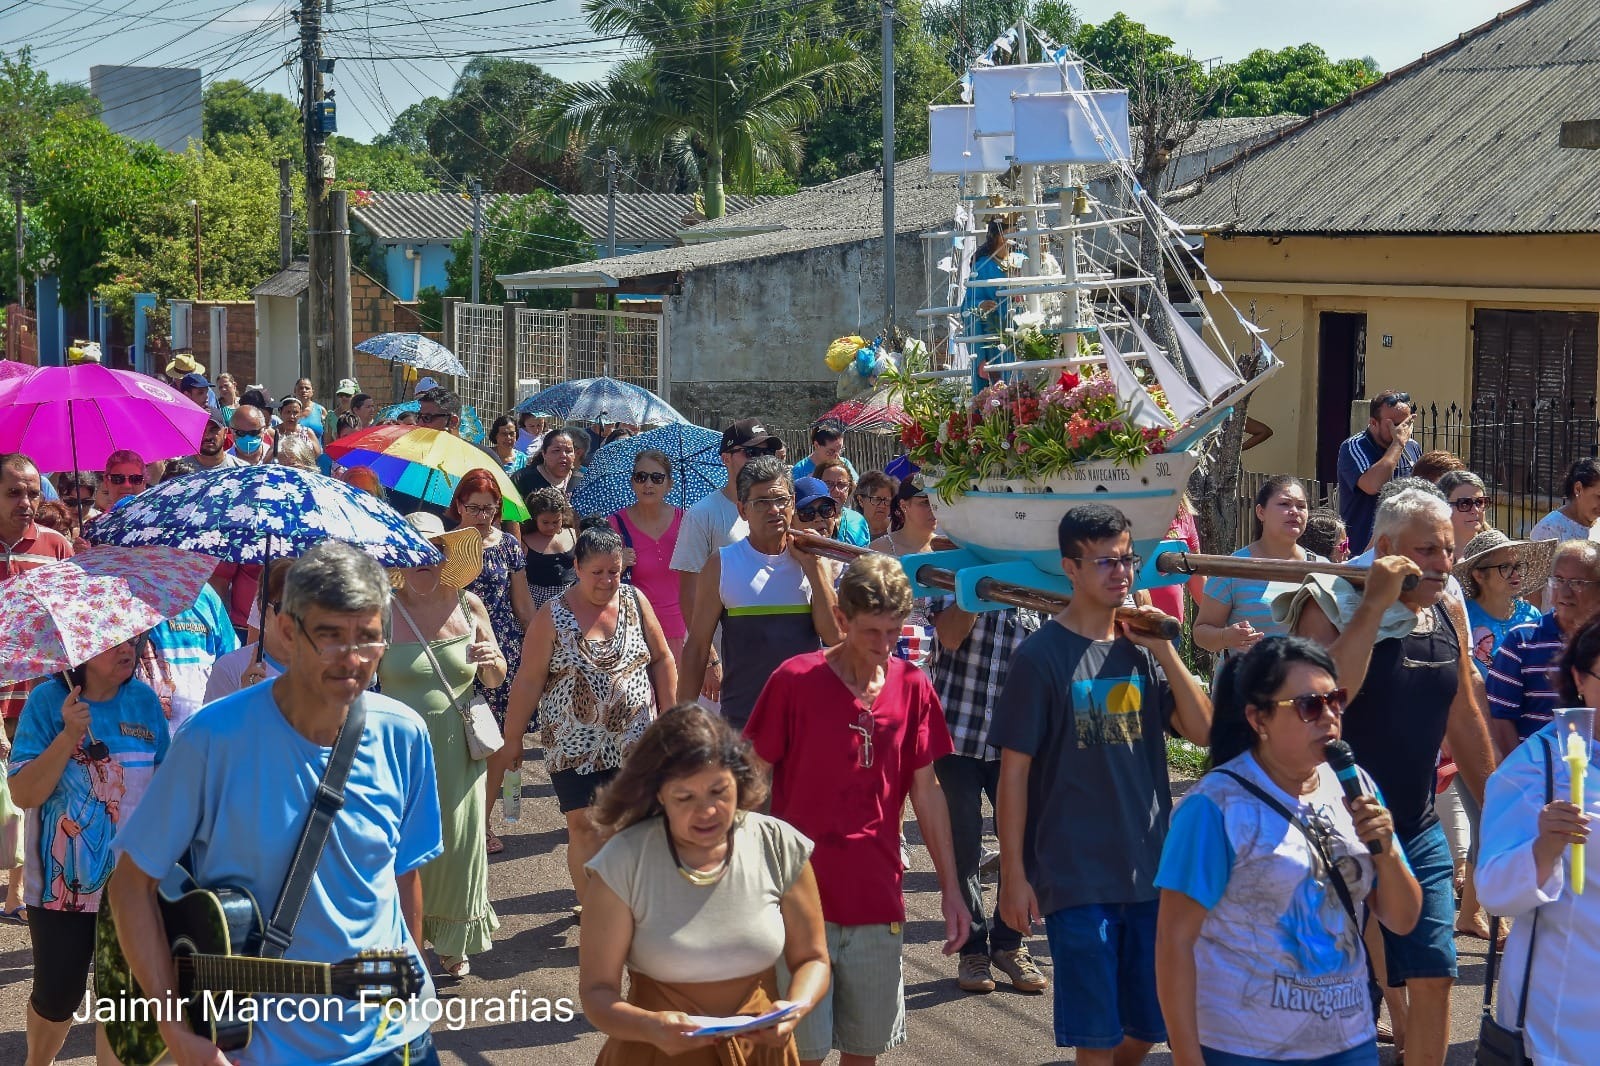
point(642, 218)
point(290, 281)
point(1462, 141)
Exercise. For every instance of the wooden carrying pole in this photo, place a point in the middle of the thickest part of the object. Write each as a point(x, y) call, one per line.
point(1148, 622)
point(1287, 570)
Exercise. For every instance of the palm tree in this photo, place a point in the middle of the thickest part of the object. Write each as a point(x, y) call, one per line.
point(720, 85)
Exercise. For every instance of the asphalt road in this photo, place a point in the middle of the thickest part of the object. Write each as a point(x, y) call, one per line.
point(536, 953)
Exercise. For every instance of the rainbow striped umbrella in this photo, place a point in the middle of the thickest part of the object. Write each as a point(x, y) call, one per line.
point(424, 463)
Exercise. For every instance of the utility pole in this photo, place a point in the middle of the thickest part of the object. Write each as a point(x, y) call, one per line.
point(612, 165)
point(476, 188)
point(322, 308)
point(199, 286)
point(888, 170)
point(337, 217)
point(22, 292)
point(285, 213)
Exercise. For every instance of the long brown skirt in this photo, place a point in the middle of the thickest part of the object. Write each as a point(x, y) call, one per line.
point(649, 994)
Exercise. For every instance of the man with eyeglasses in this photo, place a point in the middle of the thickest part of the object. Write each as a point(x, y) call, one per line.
point(1371, 459)
point(236, 789)
point(772, 600)
point(439, 409)
point(714, 523)
point(1523, 680)
point(851, 733)
point(1406, 658)
point(252, 441)
point(1084, 798)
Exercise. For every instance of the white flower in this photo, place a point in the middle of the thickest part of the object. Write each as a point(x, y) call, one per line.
point(1029, 320)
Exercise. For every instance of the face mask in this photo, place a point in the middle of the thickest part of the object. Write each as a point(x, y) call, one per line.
point(247, 445)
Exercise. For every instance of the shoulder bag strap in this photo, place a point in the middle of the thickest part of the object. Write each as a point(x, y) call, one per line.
point(1533, 935)
point(279, 932)
point(433, 661)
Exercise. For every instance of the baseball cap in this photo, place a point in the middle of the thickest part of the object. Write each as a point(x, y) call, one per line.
point(808, 490)
point(347, 387)
point(749, 433)
point(194, 381)
point(424, 385)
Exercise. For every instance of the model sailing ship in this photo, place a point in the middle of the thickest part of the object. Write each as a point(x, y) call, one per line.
point(1058, 393)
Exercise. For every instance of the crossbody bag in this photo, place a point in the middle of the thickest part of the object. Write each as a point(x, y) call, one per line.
point(1501, 1045)
point(1374, 990)
point(484, 736)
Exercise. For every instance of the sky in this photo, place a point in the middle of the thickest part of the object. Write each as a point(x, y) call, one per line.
point(251, 40)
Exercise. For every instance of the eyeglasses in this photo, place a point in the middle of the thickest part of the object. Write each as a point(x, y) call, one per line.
point(772, 503)
point(1395, 399)
point(876, 501)
point(125, 479)
point(655, 477)
point(1575, 585)
point(752, 452)
point(1505, 569)
point(1110, 564)
point(1475, 503)
point(1313, 705)
point(427, 420)
point(364, 653)
point(820, 509)
point(863, 729)
point(479, 508)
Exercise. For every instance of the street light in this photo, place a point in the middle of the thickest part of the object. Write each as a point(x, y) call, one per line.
point(199, 291)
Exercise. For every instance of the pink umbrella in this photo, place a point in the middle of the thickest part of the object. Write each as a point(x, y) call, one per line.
point(875, 412)
point(10, 369)
point(74, 417)
point(65, 613)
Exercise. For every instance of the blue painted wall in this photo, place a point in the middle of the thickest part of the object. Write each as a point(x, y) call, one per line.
point(435, 256)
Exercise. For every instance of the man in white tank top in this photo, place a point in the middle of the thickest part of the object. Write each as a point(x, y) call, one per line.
point(772, 600)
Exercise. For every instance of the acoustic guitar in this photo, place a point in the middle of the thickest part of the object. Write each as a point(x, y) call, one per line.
point(215, 935)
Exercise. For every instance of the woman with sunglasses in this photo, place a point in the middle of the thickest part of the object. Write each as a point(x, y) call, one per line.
point(1469, 500)
point(649, 530)
point(1234, 612)
point(1258, 959)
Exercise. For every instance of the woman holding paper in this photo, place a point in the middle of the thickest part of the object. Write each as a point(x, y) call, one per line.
point(1526, 873)
point(700, 898)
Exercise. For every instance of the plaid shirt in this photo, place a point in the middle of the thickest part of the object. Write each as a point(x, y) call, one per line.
point(970, 679)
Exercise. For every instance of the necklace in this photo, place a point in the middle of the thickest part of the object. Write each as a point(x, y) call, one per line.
point(700, 878)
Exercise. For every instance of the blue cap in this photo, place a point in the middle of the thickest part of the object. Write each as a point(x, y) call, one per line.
point(194, 381)
point(808, 490)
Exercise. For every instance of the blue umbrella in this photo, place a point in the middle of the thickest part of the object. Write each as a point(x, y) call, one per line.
point(252, 514)
point(413, 349)
point(601, 400)
point(395, 410)
point(697, 469)
point(471, 424)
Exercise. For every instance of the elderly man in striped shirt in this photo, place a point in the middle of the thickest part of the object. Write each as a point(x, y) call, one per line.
point(969, 672)
point(1522, 681)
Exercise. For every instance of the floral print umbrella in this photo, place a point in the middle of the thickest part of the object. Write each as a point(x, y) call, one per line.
point(63, 614)
point(254, 514)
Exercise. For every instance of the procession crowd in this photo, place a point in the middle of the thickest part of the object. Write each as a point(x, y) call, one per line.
point(734, 725)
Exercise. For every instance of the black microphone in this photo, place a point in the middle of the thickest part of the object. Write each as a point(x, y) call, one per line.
point(1343, 761)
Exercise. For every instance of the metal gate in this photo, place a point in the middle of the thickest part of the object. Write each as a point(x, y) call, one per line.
point(480, 345)
point(557, 346)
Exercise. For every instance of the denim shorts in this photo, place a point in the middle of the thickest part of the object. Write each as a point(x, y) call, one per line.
point(1105, 974)
point(1360, 1055)
point(575, 791)
point(1429, 950)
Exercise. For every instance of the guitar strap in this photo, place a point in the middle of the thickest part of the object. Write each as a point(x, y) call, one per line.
point(314, 837)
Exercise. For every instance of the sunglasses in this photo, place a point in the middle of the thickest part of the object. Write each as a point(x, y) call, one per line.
point(1312, 705)
point(1395, 399)
point(247, 434)
point(863, 729)
point(753, 453)
point(125, 479)
point(442, 416)
point(655, 477)
point(820, 509)
point(1476, 503)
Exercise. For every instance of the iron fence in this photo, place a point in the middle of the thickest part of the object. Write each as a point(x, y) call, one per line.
point(480, 346)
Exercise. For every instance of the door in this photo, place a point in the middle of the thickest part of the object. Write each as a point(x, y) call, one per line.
point(1341, 381)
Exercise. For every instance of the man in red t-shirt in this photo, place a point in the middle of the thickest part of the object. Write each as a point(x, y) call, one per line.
point(23, 546)
point(850, 733)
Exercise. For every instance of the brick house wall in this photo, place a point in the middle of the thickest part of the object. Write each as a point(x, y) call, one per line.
point(238, 348)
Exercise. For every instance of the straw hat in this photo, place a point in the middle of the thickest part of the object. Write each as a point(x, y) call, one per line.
point(1536, 557)
point(463, 550)
point(183, 363)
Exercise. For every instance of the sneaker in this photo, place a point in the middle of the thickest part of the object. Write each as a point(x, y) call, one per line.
point(974, 975)
point(1019, 966)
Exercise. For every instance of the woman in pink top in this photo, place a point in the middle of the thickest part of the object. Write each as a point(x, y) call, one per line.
point(1169, 598)
point(649, 531)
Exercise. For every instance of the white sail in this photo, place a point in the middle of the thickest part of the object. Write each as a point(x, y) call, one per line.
point(1212, 373)
point(1141, 408)
point(1186, 402)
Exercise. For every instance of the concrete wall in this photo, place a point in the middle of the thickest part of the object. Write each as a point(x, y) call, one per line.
point(747, 339)
point(1422, 292)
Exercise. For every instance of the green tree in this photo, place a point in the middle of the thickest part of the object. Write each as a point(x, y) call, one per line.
point(727, 82)
point(483, 129)
point(410, 128)
point(1133, 56)
point(529, 232)
point(1291, 81)
point(381, 168)
point(231, 108)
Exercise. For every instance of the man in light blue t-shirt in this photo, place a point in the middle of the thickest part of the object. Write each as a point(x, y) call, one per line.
point(235, 791)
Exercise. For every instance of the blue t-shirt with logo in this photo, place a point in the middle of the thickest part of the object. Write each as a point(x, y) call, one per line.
point(234, 792)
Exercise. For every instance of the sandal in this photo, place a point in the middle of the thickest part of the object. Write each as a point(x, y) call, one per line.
point(493, 843)
point(457, 966)
point(19, 915)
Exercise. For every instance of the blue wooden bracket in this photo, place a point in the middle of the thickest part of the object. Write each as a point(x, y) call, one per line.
point(1150, 578)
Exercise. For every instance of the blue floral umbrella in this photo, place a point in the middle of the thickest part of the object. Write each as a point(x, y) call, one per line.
point(413, 349)
point(257, 513)
point(601, 400)
point(471, 424)
point(697, 469)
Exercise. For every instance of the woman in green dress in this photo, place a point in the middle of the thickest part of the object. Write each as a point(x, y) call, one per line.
point(433, 613)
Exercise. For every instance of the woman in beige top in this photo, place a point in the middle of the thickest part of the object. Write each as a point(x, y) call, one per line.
point(698, 897)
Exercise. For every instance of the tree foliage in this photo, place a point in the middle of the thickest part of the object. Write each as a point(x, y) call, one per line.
point(233, 109)
point(529, 232)
point(1292, 81)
